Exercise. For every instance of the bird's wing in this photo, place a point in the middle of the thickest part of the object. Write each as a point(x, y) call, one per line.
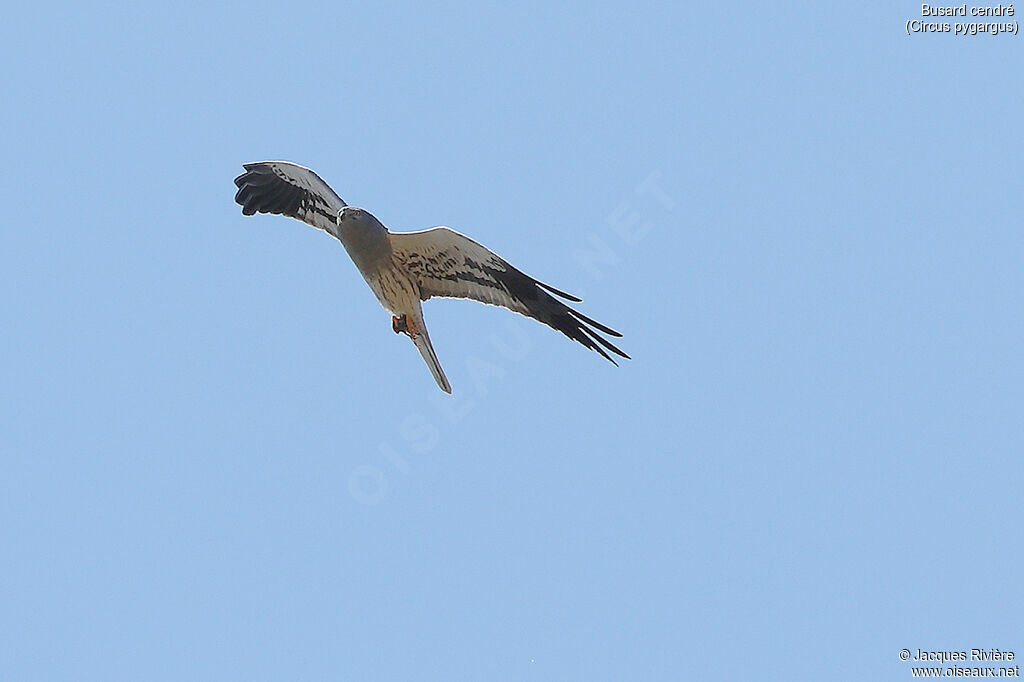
point(451, 265)
point(289, 189)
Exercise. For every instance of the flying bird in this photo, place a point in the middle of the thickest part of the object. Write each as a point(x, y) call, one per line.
point(405, 268)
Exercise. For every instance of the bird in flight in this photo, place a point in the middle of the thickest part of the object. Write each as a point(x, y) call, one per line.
point(405, 268)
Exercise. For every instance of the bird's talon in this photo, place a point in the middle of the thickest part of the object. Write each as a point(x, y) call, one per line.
point(401, 326)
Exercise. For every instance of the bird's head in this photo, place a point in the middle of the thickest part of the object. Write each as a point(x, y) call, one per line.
point(359, 229)
point(352, 218)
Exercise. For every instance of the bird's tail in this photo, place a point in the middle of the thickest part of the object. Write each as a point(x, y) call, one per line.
point(422, 341)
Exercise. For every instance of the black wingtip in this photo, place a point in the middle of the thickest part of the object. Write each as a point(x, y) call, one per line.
point(260, 191)
point(575, 326)
point(607, 344)
point(542, 306)
point(557, 292)
point(594, 323)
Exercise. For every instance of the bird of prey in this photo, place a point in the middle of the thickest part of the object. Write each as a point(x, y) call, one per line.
point(404, 268)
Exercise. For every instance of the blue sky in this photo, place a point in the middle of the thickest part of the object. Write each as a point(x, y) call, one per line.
point(220, 463)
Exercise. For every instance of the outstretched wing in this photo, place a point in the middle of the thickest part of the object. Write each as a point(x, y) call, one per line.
point(289, 189)
point(451, 265)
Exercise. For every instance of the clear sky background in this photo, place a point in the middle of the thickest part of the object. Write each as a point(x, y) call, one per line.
point(219, 463)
